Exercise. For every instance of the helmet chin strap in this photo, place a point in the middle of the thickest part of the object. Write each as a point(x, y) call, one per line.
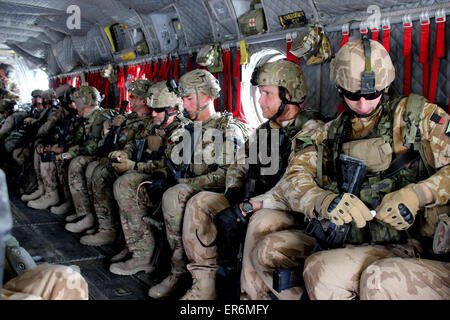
point(199, 109)
point(284, 102)
point(166, 116)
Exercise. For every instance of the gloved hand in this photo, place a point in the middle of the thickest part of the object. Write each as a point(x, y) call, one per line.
point(234, 195)
point(345, 208)
point(118, 119)
point(29, 120)
point(124, 165)
point(400, 207)
point(118, 154)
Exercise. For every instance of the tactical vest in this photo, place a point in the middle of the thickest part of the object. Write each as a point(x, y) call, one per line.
point(376, 184)
point(286, 134)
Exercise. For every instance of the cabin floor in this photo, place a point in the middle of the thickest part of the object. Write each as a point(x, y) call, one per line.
point(43, 235)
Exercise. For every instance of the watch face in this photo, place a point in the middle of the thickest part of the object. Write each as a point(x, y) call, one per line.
point(247, 207)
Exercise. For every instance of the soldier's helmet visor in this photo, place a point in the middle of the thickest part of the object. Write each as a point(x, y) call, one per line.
point(356, 96)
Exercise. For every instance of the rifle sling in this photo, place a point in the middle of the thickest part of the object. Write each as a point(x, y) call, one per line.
point(400, 162)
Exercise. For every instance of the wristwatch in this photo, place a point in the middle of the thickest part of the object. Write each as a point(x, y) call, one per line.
point(247, 207)
point(64, 155)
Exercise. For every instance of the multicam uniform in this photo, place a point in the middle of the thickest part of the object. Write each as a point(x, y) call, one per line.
point(363, 270)
point(84, 153)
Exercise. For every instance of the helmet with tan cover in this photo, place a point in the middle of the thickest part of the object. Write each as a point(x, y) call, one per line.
point(139, 88)
point(349, 64)
point(86, 96)
point(282, 73)
point(197, 81)
point(165, 99)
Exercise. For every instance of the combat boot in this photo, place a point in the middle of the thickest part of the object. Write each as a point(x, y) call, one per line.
point(62, 208)
point(71, 217)
point(132, 266)
point(167, 287)
point(36, 194)
point(85, 223)
point(101, 238)
point(120, 256)
point(202, 289)
point(49, 199)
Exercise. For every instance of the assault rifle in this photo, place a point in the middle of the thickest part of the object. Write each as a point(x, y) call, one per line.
point(107, 144)
point(353, 172)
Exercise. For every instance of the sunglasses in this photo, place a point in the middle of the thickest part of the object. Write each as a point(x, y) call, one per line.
point(356, 96)
point(158, 110)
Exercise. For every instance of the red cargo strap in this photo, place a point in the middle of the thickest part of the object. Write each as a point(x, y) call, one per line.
point(386, 36)
point(227, 96)
point(407, 54)
point(189, 64)
point(423, 57)
point(176, 72)
point(163, 69)
point(437, 55)
point(289, 55)
point(345, 34)
point(155, 71)
point(106, 93)
point(375, 33)
point(237, 74)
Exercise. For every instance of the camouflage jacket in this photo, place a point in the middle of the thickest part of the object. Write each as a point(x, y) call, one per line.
point(154, 157)
point(238, 172)
point(10, 123)
point(209, 174)
point(299, 189)
point(9, 90)
point(133, 127)
point(89, 133)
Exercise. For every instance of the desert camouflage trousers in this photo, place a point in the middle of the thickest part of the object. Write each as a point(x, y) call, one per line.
point(174, 202)
point(133, 205)
point(375, 272)
point(272, 242)
point(47, 282)
point(198, 219)
point(101, 185)
point(52, 175)
point(80, 174)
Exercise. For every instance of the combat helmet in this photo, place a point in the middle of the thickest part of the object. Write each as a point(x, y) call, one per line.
point(199, 80)
point(139, 88)
point(167, 99)
point(85, 96)
point(285, 74)
point(37, 93)
point(349, 65)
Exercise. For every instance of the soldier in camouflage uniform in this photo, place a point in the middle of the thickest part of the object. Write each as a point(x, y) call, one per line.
point(283, 90)
point(198, 89)
point(82, 154)
point(53, 174)
point(103, 174)
point(379, 258)
point(156, 142)
point(8, 88)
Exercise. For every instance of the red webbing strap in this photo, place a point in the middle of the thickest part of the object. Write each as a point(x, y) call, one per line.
point(227, 89)
point(289, 55)
point(423, 57)
point(141, 70)
point(407, 54)
point(148, 71)
point(168, 70)
point(155, 71)
point(176, 70)
point(163, 69)
point(439, 46)
point(106, 93)
point(216, 101)
point(237, 75)
point(189, 64)
point(121, 83)
point(345, 35)
point(375, 33)
point(387, 38)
